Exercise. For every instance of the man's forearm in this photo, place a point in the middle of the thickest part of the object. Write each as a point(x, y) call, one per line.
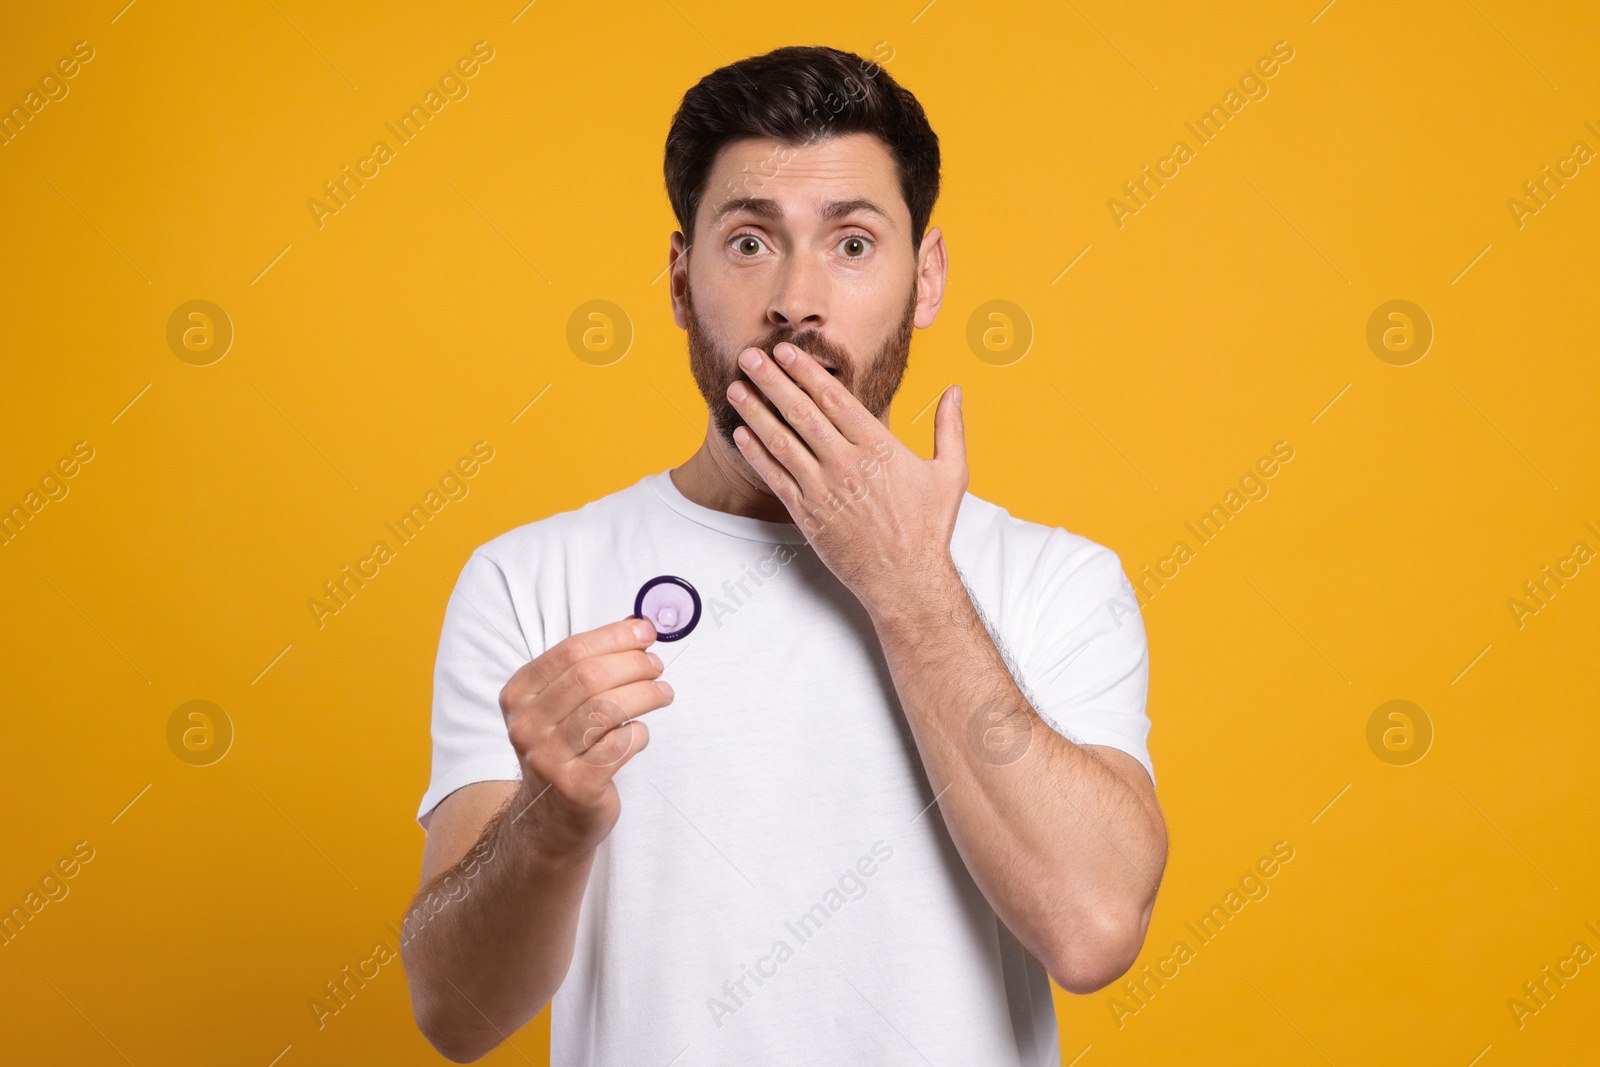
point(1066, 853)
point(486, 959)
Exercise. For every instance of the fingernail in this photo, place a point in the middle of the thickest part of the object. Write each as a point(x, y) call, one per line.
point(666, 690)
point(750, 359)
point(783, 354)
point(958, 396)
point(737, 392)
point(643, 630)
point(655, 660)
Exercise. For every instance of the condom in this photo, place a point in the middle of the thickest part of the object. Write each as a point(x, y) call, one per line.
point(671, 604)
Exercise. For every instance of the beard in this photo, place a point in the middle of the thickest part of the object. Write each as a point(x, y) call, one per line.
point(874, 383)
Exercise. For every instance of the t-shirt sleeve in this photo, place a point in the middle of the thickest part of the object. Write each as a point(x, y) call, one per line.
point(1087, 667)
point(481, 645)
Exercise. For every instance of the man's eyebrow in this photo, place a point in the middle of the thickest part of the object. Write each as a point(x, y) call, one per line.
point(765, 208)
point(755, 205)
point(834, 210)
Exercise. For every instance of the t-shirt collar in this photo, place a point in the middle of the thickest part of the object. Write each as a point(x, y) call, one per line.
point(741, 526)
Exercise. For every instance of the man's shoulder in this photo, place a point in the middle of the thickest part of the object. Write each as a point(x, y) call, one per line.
point(984, 528)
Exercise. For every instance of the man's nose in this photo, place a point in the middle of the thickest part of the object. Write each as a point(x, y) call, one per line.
point(800, 301)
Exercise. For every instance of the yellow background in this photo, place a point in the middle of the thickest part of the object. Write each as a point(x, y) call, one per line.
point(1225, 316)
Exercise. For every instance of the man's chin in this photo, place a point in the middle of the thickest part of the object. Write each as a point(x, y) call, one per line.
point(725, 431)
point(725, 428)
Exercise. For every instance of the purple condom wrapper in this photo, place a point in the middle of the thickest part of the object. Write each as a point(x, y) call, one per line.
point(671, 604)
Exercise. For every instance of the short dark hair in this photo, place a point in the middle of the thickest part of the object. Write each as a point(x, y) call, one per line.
point(797, 95)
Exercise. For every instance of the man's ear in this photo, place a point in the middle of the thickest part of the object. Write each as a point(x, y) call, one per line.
point(933, 266)
point(678, 278)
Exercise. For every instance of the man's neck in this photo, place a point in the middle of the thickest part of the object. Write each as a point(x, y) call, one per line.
point(721, 480)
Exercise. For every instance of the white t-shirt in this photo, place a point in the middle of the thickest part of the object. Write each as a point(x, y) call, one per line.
point(780, 887)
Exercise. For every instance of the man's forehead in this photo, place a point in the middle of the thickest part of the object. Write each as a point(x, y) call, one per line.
point(802, 178)
point(856, 145)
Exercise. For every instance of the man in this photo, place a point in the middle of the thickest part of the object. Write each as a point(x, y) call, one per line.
point(900, 771)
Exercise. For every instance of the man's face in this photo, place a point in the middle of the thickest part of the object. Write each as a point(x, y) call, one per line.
point(807, 244)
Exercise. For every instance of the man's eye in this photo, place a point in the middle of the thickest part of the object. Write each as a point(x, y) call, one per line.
point(748, 245)
point(855, 246)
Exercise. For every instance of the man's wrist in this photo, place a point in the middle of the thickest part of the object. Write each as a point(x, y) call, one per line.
point(532, 828)
point(928, 596)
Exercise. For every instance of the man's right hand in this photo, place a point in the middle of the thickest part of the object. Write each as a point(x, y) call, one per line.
point(571, 716)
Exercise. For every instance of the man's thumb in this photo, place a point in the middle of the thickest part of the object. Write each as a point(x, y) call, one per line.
point(949, 430)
